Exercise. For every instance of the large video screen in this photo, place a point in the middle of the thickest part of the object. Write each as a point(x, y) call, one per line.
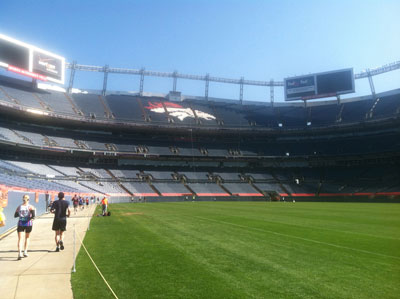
point(319, 85)
point(25, 59)
point(13, 54)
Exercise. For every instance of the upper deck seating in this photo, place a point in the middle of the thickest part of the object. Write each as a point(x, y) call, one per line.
point(90, 105)
point(387, 106)
point(23, 97)
point(231, 115)
point(356, 111)
point(325, 114)
point(126, 107)
point(58, 102)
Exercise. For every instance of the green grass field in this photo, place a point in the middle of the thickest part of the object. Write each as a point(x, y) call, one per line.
point(243, 250)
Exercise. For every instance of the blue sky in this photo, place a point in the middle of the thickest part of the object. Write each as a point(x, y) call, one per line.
point(257, 40)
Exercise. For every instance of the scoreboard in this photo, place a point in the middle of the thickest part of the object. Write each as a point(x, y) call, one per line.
point(28, 60)
point(319, 85)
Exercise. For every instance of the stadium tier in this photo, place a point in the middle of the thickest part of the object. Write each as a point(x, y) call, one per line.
point(149, 148)
point(197, 113)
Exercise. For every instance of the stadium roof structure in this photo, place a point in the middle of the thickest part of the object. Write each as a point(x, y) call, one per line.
point(368, 73)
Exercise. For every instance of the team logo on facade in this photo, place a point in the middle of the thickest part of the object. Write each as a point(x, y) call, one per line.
point(178, 111)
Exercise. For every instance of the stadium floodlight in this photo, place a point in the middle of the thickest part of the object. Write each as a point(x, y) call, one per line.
point(24, 59)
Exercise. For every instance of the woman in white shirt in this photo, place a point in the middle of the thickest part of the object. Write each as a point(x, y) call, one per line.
point(26, 214)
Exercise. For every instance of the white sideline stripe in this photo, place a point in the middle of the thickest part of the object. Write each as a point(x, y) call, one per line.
point(300, 238)
point(84, 247)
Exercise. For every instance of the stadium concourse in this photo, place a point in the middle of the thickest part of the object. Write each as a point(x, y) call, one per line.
point(44, 273)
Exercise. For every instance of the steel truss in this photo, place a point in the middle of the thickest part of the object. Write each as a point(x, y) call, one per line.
point(368, 73)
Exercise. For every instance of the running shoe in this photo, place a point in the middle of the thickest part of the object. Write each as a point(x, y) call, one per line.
point(61, 245)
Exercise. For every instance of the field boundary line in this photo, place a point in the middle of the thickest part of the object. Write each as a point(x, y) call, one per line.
point(300, 238)
point(94, 264)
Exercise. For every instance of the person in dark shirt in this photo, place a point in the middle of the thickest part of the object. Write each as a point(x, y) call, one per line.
point(60, 209)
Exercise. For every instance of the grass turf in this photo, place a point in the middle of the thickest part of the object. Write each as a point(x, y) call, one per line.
point(243, 250)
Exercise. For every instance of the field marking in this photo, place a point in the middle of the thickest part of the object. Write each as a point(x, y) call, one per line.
point(94, 264)
point(322, 228)
point(328, 229)
point(300, 238)
point(310, 227)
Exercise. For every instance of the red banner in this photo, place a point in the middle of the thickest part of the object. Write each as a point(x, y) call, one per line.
point(26, 73)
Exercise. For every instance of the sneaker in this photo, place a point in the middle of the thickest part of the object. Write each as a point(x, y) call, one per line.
point(61, 245)
point(25, 254)
point(20, 256)
point(57, 249)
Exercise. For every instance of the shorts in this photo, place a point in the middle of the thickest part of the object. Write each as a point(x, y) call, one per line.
point(59, 224)
point(26, 229)
point(75, 206)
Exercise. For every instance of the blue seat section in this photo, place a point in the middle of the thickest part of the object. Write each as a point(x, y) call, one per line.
point(240, 188)
point(95, 145)
point(22, 96)
point(207, 189)
point(90, 104)
point(17, 181)
point(196, 112)
point(137, 188)
point(175, 189)
point(356, 111)
point(228, 176)
point(125, 147)
point(160, 175)
point(324, 114)
point(185, 151)
point(292, 116)
point(387, 106)
point(231, 114)
point(159, 150)
point(261, 115)
point(8, 165)
point(125, 107)
point(196, 176)
point(122, 173)
point(269, 187)
point(9, 135)
point(58, 102)
point(261, 176)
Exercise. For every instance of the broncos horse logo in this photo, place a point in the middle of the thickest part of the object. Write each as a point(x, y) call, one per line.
point(178, 111)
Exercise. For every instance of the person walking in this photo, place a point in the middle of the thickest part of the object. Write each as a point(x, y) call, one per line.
point(61, 211)
point(26, 213)
point(75, 203)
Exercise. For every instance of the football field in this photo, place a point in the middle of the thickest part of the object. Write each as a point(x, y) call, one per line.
point(242, 250)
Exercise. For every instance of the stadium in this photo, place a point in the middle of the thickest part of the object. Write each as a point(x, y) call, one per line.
point(154, 153)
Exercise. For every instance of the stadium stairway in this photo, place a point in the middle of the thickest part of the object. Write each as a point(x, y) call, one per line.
point(45, 271)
